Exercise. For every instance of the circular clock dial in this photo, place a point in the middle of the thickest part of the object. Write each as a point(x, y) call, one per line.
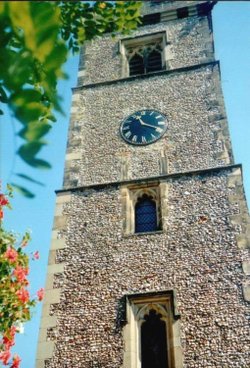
point(143, 127)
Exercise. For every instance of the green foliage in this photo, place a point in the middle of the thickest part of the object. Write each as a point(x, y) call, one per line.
point(24, 191)
point(35, 40)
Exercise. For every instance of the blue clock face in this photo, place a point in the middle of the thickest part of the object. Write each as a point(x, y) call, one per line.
point(143, 127)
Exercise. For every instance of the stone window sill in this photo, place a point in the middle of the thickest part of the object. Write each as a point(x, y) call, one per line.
point(145, 233)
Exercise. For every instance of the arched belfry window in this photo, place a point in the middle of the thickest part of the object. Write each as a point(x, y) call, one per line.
point(154, 62)
point(136, 65)
point(145, 214)
point(144, 54)
point(145, 59)
point(154, 341)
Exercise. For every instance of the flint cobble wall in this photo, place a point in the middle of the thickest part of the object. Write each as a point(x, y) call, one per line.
point(196, 138)
point(196, 254)
point(189, 43)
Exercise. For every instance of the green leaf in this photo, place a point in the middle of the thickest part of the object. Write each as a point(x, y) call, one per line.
point(56, 58)
point(40, 164)
point(26, 96)
point(3, 96)
point(40, 23)
point(35, 130)
point(26, 177)
point(19, 68)
point(1, 112)
point(28, 105)
point(29, 150)
point(25, 192)
point(51, 118)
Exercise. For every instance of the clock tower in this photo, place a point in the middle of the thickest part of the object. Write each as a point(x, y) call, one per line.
point(149, 264)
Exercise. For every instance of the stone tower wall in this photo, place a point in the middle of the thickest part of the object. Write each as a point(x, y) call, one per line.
point(188, 92)
point(190, 98)
point(199, 254)
point(189, 42)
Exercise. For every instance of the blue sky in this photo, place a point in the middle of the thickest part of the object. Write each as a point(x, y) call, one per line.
point(232, 36)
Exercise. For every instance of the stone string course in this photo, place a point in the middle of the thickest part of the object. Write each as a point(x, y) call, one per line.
point(197, 255)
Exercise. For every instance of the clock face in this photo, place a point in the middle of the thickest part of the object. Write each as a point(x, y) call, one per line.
point(143, 127)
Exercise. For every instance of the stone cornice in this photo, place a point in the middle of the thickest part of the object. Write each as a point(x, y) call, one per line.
point(146, 76)
point(151, 179)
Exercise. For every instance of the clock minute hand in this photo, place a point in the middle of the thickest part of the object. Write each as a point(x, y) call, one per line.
point(142, 123)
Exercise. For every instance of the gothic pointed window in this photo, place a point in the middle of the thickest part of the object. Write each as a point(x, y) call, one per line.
point(152, 332)
point(153, 341)
point(154, 62)
point(145, 58)
point(136, 65)
point(142, 209)
point(145, 215)
point(143, 55)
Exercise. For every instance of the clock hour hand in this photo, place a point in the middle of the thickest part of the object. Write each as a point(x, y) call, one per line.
point(142, 123)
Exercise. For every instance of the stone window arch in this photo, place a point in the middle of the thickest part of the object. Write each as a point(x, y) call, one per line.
point(145, 213)
point(146, 58)
point(141, 209)
point(154, 336)
point(144, 54)
point(152, 332)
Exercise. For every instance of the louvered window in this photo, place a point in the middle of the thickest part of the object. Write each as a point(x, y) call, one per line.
point(154, 61)
point(145, 215)
point(136, 65)
point(146, 58)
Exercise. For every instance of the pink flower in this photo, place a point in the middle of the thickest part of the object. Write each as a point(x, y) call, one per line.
point(20, 273)
point(23, 295)
point(5, 356)
point(1, 214)
point(3, 200)
point(36, 255)
point(40, 294)
point(8, 338)
point(11, 254)
point(16, 362)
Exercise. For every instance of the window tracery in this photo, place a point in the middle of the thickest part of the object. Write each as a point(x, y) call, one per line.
point(145, 214)
point(144, 54)
point(141, 209)
point(152, 328)
point(145, 58)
